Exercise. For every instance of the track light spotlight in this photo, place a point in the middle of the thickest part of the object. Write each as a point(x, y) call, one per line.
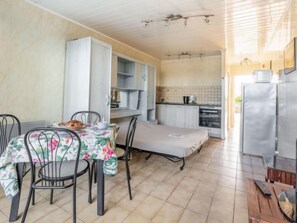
point(175, 17)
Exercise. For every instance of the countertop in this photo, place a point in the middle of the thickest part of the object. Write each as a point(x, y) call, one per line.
point(121, 113)
point(173, 103)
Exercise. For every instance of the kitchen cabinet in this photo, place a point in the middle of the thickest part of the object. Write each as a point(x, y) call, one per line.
point(192, 117)
point(181, 116)
point(87, 77)
point(213, 132)
point(169, 114)
point(160, 116)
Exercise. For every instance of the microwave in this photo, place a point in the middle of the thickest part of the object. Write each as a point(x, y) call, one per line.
point(262, 76)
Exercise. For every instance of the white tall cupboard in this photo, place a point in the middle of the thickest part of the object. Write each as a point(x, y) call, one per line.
point(87, 77)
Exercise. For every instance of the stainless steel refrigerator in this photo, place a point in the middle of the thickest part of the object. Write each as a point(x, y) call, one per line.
point(258, 118)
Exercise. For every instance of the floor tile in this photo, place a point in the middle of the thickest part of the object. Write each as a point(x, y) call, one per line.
point(149, 207)
point(117, 193)
point(200, 203)
point(240, 214)
point(227, 182)
point(240, 199)
point(56, 216)
point(114, 215)
point(147, 186)
point(131, 205)
point(183, 193)
point(89, 213)
point(163, 191)
point(136, 218)
point(169, 213)
point(190, 216)
point(221, 210)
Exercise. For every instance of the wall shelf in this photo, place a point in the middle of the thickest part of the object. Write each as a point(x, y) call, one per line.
point(125, 74)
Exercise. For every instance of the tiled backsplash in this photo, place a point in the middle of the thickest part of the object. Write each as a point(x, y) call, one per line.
point(205, 94)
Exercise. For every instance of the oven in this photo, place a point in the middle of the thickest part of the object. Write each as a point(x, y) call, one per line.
point(210, 116)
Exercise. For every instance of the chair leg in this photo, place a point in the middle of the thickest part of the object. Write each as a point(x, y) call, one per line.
point(27, 205)
point(74, 203)
point(90, 173)
point(33, 197)
point(52, 194)
point(33, 192)
point(51, 197)
point(129, 172)
point(128, 178)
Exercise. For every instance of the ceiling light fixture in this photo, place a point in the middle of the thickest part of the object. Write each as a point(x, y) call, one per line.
point(175, 17)
point(245, 61)
point(206, 19)
point(184, 55)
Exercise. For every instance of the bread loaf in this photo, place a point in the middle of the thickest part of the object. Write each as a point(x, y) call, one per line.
point(73, 125)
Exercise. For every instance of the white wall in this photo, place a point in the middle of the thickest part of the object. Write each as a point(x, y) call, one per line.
point(191, 72)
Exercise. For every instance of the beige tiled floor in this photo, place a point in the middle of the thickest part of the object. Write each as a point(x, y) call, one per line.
point(211, 189)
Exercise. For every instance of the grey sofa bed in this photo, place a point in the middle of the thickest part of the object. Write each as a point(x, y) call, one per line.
point(173, 143)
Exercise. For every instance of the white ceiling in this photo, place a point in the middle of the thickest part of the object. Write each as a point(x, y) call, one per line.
point(243, 27)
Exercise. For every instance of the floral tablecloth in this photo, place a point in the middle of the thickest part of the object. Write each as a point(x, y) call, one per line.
point(96, 144)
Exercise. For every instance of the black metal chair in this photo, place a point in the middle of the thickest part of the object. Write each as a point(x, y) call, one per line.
point(127, 149)
point(50, 147)
point(87, 117)
point(10, 127)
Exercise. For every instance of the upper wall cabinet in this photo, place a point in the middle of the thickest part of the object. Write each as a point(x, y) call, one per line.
point(151, 87)
point(87, 77)
point(133, 86)
point(127, 74)
point(140, 76)
point(126, 70)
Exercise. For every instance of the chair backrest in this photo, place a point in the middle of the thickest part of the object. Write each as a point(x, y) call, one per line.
point(87, 117)
point(10, 127)
point(130, 133)
point(51, 148)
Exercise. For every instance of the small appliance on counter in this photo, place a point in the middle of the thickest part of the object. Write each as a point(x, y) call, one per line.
point(115, 98)
point(186, 99)
point(192, 99)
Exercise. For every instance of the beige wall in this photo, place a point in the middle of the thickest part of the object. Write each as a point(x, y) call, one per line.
point(32, 55)
point(191, 72)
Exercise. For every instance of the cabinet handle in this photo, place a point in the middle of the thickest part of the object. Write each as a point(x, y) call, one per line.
point(107, 97)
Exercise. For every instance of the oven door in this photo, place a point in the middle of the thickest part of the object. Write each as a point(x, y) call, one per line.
point(210, 117)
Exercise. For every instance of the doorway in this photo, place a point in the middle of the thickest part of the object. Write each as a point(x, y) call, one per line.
point(238, 81)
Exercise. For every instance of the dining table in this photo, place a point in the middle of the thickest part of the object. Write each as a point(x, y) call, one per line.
point(97, 144)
